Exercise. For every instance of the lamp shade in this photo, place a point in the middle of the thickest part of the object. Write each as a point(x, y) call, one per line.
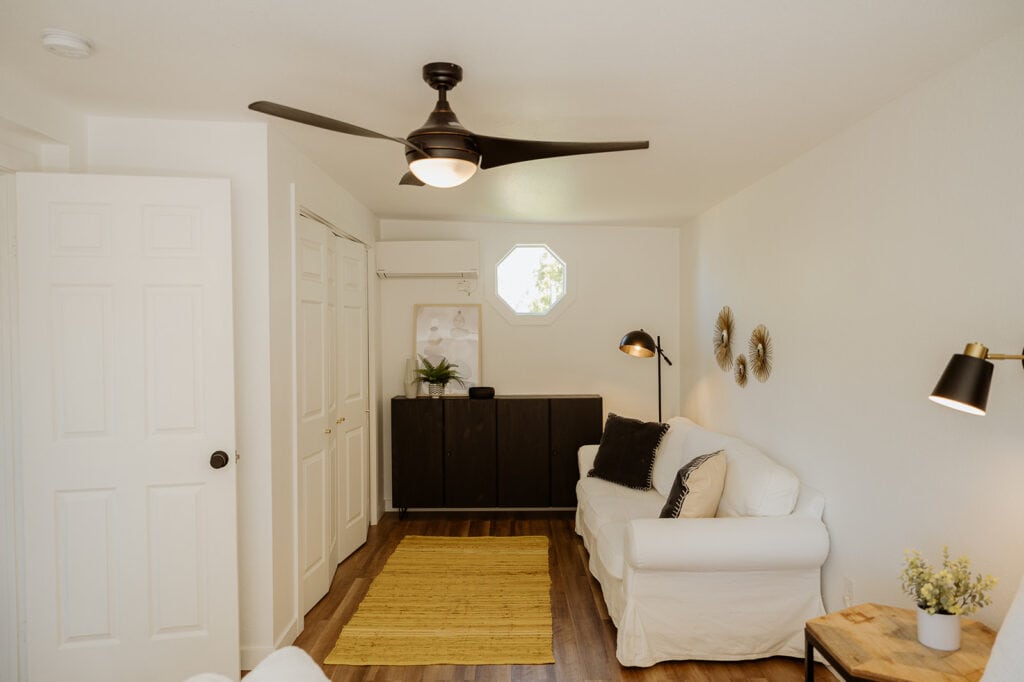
point(638, 343)
point(964, 384)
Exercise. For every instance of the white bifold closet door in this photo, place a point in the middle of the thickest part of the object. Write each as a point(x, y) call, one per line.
point(331, 403)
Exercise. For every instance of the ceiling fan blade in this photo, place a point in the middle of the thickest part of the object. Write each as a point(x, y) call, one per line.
point(410, 179)
point(499, 151)
point(300, 116)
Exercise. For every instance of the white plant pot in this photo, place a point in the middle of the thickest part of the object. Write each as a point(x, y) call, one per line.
point(435, 390)
point(938, 630)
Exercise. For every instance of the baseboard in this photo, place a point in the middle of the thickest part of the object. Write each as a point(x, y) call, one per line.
point(291, 631)
point(252, 655)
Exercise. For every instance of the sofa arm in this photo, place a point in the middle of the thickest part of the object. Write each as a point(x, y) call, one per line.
point(726, 544)
point(586, 455)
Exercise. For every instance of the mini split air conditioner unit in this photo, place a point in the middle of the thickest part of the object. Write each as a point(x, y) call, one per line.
point(439, 259)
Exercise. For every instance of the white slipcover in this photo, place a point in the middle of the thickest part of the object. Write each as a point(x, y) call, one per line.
point(1006, 664)
point(290, 664)
point(734, 587)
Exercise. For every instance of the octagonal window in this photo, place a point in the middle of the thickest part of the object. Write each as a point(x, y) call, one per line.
point(531, 279)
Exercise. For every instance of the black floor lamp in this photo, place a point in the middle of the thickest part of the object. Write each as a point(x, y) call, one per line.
point(640, 344)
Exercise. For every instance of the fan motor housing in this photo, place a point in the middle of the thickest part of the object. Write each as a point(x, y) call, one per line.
point(442, 136)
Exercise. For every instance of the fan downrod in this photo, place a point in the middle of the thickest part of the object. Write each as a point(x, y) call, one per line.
point(442, 75)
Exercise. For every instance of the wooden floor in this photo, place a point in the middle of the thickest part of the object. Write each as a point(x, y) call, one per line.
point(584, 637)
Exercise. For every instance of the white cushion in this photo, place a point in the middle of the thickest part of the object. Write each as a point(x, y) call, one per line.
point(754, 484)
point(602, 509)
point(669, 458)
point(1006, 664)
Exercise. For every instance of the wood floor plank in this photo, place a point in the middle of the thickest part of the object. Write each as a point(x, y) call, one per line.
point(583, 635)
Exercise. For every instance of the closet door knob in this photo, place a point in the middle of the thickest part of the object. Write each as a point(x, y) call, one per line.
point(219, 459)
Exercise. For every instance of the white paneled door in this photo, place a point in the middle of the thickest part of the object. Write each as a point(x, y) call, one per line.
point(316, 401)
point(127, 393)
point(352, 473)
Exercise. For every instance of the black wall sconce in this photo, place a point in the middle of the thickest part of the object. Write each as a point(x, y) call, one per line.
point(965, 382)
point(639, 344)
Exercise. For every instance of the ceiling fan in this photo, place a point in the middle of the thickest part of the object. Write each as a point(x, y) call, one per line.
point(441, 153)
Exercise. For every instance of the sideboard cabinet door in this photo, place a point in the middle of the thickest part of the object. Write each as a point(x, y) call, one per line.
point(417, 453)
point(575, 421)
point(524, 477)
point(470, 457)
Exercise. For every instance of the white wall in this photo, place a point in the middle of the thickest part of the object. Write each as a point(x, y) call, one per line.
point(38, 132)
point(294, 182)
point(871, 260)
point(624, 278)
point(238, 152)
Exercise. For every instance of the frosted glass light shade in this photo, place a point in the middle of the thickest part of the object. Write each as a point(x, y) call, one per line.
point(443, 172)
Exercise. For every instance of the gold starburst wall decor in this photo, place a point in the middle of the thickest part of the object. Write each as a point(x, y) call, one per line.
point(760, 351)
point(741, 370)
point(723, 339)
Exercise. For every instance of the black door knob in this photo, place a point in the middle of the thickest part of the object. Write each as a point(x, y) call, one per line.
point(219, 459)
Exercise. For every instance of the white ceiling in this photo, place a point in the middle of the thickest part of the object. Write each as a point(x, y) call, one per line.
point(725, 90)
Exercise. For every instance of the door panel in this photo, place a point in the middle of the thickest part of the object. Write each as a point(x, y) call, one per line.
point(470, 453)
point(315, 392)
point(417, 452)
point(352, 420)
point(125, 331)
point(574, 422)
point(523, 452)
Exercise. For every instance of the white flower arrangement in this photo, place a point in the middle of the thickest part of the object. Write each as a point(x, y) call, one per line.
point(951, 591)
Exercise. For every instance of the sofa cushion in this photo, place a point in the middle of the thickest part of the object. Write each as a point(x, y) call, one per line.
point(626, 453)
point(697, 488)
point(600, 510)
point(755, 485)
point(669, 457)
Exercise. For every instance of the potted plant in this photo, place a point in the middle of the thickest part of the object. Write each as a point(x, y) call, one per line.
point(437, 376)
point(943, 596)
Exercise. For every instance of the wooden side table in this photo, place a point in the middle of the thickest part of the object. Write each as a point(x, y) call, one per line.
point(877, 643)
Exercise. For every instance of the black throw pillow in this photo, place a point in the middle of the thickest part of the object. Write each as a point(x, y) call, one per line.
point(626, 453)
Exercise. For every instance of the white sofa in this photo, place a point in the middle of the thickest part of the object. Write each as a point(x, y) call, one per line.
point(290, 664)
point(737, 586)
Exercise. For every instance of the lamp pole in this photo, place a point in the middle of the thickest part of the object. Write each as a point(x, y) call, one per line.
point(661, 355)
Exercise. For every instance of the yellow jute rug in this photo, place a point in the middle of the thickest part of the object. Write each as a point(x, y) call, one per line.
point(466, 601)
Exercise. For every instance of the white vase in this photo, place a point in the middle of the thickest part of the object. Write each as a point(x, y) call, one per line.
point(412, 387)
point(938, 630)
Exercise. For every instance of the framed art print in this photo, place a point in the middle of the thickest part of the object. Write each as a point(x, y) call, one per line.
point(451, 332)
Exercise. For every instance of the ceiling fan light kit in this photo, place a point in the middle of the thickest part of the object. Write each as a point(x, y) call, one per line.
point(443, 153)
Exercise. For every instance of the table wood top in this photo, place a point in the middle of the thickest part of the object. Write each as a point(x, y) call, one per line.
point(878, 642)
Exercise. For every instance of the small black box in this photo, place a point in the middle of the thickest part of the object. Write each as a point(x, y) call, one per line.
point(481, 392)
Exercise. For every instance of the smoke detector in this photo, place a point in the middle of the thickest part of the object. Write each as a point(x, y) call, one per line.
point(66, 44)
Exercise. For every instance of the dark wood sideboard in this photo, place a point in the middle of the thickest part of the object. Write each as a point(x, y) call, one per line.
point(508, 451)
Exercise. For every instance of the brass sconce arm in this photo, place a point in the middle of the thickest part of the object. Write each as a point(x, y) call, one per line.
point(977, 350)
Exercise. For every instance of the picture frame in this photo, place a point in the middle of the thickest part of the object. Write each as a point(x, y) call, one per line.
point(451, 331)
